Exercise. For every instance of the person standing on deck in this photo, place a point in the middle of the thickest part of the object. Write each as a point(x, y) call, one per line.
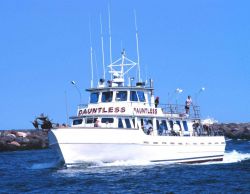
point(156, 101)
point(97, 123)
point(187, 104)
point(149, 127)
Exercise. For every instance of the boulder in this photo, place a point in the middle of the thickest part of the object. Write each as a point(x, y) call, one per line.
point(8, 138)
point(21, 134)
point(15, 143)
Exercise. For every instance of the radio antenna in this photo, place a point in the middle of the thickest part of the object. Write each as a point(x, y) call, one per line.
point(110, 41)
point(95, 63)
point(103, 63)
point(137, 48)
point(91, 56)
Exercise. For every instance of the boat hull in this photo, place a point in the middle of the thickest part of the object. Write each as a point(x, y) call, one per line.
point(79, 145)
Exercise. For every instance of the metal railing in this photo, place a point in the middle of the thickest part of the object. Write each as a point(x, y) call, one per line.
point(176, 109)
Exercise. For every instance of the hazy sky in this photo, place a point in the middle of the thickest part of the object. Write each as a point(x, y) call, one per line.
point(191, 44)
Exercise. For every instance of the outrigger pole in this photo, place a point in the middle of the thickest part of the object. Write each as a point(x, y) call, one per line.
point(91, 57)
point(137, 48)
point(103, 63)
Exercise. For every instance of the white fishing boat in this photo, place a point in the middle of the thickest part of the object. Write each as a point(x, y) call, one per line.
point(122, 122)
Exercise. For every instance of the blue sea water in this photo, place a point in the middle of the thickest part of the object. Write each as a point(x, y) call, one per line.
point(38, 171)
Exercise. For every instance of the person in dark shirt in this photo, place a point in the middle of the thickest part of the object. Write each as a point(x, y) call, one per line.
point(156, 101)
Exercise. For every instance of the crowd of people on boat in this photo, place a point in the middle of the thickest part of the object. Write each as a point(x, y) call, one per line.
point(163, 130)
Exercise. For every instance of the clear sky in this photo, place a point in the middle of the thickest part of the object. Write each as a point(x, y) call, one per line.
point(191, 44)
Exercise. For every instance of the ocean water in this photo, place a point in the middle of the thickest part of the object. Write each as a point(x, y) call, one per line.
point(39, 171)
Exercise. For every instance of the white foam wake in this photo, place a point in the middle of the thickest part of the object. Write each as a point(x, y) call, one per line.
point(230, 157)
point(234, 156)
point(48, 165)
point(117, 163)
point(126, 163)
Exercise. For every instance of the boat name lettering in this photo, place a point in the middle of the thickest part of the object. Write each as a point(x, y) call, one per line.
point(145, 110)
point(101, 110)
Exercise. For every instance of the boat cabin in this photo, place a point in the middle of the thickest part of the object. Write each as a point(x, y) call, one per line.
point(116, 106)
point(129, 108)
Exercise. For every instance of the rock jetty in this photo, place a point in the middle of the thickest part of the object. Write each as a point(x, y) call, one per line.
point(233, 130)
point(12, 140)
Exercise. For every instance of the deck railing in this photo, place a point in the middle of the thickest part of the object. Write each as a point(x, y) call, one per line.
point(176, 109)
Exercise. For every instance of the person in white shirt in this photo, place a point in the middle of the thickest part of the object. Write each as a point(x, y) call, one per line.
point(187, 104)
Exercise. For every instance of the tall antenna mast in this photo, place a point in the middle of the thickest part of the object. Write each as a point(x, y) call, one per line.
point(103, 63)
point(95, 63)
point(137, 48)
point(91, 56)
point(110, 45)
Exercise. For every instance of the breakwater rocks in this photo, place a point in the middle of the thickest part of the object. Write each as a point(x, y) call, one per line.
point(233, 130)
point(13, 140)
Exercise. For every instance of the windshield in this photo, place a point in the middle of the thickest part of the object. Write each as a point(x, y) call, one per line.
point(133, 96)
point(94, 97)
point(107, 96)
point(121, 96)
point(141, 96)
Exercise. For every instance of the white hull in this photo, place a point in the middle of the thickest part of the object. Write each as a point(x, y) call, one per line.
point(78, 145)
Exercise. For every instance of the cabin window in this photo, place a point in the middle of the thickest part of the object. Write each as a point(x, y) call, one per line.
point(142, 124)
point(77, 121)
point(141, 96)
point(185, 125)
point(107, 96)
point(133, 120)
point(90, 120)
point(127, 123)
point(133, 96)
point(120, 125)
point(163, 125)
point(107, 120)
point(94, 97)
point(171, 123)
point(178, 123)
point(121, 96)
point(157, 124)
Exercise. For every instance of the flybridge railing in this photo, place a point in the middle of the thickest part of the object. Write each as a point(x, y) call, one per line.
point(176, 109)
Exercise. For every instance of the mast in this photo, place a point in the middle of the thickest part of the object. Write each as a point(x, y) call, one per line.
point(91, 57)
point(122, 65)
point(137, 49)
point(103, 63)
